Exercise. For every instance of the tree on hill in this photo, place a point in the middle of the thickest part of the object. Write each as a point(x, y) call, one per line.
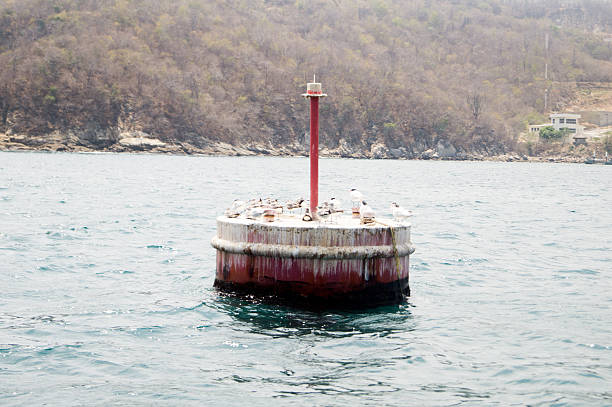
point(550, 134)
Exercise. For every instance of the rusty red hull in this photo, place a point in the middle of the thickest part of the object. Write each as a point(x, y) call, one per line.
point(336, 265)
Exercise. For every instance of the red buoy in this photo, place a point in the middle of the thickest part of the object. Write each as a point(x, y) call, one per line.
point(319, 260)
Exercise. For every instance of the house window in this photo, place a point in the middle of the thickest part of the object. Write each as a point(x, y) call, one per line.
point(571, 121)
point(553, 121)
point(572, 130)
point(562, 120)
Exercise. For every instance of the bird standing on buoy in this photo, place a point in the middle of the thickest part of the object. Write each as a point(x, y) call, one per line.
point(399, 214)
point(356, 196)
point(307, 216)
point(291, 205)
point(235, 209)
point(366, 213)
point(254, 213)
point(324, 210)
point(335, 205)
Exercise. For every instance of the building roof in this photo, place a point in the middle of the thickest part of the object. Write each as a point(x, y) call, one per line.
point(565, 115)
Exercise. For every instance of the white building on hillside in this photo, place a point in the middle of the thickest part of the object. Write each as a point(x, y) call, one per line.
point(562, 121)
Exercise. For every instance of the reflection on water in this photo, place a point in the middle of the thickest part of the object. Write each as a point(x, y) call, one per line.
point(277, 321)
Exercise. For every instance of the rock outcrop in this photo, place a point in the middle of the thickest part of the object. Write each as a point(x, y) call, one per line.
point(379, 151)
point(141, 142)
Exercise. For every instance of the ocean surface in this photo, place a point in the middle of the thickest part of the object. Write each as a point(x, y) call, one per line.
point(106, 296)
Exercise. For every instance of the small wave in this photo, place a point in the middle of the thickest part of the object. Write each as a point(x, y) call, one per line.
point(504, 372)
point(596, 346)
point(103, 273)
point(463, 261)
point(447, 235)
point(580, 271)
point(159, 247)
point(62, 236)
point(178, 215)
point(459, 391)
point(561, 382)
point(86, 265)
point(422, 266)
point(145, 331)
point(590, 374)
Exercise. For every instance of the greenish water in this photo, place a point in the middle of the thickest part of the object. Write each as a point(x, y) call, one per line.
point(106, 295)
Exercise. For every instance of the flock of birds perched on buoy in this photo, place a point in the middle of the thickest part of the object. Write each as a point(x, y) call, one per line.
point(268, 209)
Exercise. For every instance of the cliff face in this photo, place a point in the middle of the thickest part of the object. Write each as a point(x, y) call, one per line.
point(406, 79)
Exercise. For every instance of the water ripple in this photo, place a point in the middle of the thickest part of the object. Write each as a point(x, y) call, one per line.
point(107, 287)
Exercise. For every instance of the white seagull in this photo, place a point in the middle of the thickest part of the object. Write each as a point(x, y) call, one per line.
point(324, 210)
point(235, 209)
point(255, 212)
point(366, 213)
point(356, 196)
point(335, 205)
point(399, 214)
point(291, 205)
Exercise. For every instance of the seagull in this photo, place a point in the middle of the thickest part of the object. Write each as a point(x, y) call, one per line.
point(335, 205)
point(307, 216)
point(324, 210)
point(272, 203)
point(305, 205)
point(253, 203)
point(367, 214)
point(291, 205)
point(356, 196)
point(255, 212)
point(235, 209)
point(399, 214)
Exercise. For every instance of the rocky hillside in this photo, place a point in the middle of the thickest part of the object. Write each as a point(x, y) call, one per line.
point(404, 77)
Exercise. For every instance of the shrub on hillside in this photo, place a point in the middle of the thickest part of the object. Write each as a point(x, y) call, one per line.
point(549, 133)
point(607, 142)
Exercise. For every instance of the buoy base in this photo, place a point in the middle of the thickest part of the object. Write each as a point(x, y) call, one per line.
point(291, 293)
point(315, 264)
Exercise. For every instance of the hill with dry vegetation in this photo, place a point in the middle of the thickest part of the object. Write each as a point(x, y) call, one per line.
point(403, 76)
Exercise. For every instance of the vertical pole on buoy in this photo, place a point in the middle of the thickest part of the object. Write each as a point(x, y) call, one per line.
point(314, 92)
point(314, 154)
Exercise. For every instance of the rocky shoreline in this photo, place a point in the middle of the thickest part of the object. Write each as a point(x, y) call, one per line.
point(139, 142)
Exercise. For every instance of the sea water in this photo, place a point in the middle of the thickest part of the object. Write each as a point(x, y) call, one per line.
point(106, 296)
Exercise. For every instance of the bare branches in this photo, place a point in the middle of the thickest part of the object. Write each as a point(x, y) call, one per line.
point(476, 103)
